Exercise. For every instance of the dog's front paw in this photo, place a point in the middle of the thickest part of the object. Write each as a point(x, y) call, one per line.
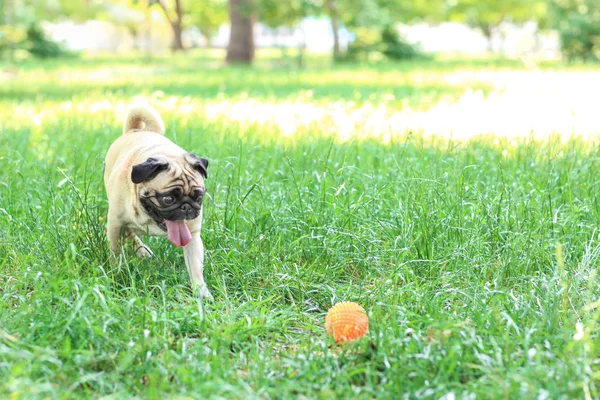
point(144, 252)
point(202, 291)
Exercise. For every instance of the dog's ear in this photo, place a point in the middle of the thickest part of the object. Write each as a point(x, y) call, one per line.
point(147, 170)
point(200, 164)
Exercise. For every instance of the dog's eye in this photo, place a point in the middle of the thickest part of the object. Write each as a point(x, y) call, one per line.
point(196, 193)
point(168, 200)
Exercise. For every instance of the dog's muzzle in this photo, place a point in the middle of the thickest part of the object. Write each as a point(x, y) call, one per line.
point(186, 209)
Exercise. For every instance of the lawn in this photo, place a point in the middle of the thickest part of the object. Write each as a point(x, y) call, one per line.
point(476, 258)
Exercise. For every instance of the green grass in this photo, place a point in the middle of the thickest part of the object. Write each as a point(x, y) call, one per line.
point(204, 79)
point(475, 260)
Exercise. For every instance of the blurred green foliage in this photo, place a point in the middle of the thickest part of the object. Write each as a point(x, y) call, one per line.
point(371, 21)
point(394, 47)
point(274, 13)
point(20, 24)
point(380, 44)
point(33, 40)
point(207, 15)
point(11, 38)
point(487, 15)
point(578, 24)
point(38, 45)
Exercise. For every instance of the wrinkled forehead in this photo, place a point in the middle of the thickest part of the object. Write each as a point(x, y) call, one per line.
point(179, 174)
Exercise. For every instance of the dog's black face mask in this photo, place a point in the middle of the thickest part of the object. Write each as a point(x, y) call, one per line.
point(173, 205)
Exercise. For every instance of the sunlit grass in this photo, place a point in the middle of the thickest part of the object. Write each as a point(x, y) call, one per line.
point(445, 99)
point(475, 256)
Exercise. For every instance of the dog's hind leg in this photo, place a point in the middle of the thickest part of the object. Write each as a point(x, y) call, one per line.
point(113, 232)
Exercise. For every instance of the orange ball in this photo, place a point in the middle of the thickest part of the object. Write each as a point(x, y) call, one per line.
point(346, 321)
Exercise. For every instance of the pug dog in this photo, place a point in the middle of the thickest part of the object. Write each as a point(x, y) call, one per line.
point(155, 187)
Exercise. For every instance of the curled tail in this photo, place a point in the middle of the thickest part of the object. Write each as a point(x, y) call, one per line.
point(144, 117)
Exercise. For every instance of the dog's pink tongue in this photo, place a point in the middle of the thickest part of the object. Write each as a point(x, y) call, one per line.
point(178, 233)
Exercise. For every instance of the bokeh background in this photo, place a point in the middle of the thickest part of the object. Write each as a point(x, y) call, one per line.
point(449, 67)
point(350, 30)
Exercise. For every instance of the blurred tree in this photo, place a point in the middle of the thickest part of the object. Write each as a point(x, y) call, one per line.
point(75, 10)
point(288, 15)
point(487, 15)
point(241, 37)
point(375, 21)
point(38, 45)
point(20, 23)
point(379, 15)
point(578, 24)
point(27, 12)
point(334, 17)
point(12, 32)
point(130, 14)
point(207, 15)
point(173, 10)
point(274, 13)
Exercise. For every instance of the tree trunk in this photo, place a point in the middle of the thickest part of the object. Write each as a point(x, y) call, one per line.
point(177, 44)
point(301, 46)
point(148, 23)
point(7, 12)
point(331, 6)
point(241, 38)
point(133, 31)
point(538, 44)
point(208, 34)
point(487, 32)
point(176, 25)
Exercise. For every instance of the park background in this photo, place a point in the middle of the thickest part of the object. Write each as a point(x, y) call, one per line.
point(435, 161)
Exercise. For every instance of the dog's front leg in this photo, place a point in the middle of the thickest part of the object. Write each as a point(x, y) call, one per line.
point(194, 261)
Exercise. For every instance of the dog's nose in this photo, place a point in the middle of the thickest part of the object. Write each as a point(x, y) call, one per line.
point(186, 208)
